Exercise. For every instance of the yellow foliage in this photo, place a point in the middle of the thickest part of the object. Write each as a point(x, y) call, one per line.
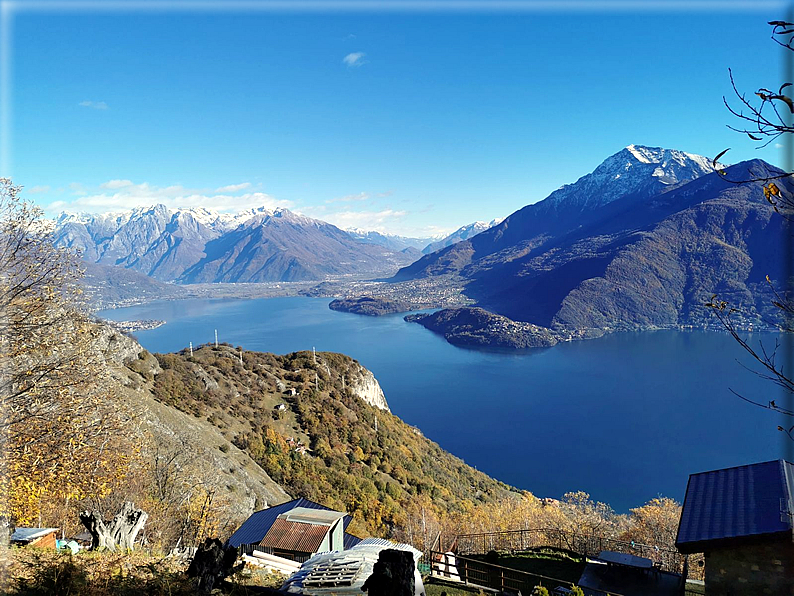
point(60, 435)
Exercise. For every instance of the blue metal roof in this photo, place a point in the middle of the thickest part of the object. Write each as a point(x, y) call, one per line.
point(351, 541)
point(255, 527)
point(737, 503)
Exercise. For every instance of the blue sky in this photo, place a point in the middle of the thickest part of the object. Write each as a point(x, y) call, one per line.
point(412, 121)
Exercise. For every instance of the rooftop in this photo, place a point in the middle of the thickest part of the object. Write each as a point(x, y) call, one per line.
point(740, 503)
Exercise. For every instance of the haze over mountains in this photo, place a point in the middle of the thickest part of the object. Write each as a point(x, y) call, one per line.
point(202, 246)
point(199, 245)
point(644, 240)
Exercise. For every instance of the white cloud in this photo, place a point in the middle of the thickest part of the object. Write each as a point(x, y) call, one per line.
point(362, 196)
point(354, 59)
point(234, 187)
point(129, 196)
point(37, 189)
point(385, 220)
point(113, 184)
point(94, 105)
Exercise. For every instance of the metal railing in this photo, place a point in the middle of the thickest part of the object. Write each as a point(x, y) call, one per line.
point(587, 545)
point(480, 574)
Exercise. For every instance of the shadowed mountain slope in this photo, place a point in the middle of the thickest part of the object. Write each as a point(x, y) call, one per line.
point(584, 262)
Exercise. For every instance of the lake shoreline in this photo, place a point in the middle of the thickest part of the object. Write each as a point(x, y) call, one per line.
point(630, 405)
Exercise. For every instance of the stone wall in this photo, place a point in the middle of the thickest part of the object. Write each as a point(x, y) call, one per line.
point(751, 570)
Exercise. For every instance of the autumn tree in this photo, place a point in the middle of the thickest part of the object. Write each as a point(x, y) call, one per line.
point(182, 498)
point(655, 523)
point(59, 435)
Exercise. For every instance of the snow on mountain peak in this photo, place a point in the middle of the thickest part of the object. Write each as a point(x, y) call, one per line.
point(630, 170)
point(641, 153)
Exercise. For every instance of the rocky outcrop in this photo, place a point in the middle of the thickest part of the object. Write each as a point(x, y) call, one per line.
point(366, 386)
point(118, 349)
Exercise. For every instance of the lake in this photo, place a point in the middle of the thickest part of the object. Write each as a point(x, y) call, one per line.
point(625, 418)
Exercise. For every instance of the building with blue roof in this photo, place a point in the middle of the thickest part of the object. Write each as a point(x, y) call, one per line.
point(741, 519)
point(272, 530)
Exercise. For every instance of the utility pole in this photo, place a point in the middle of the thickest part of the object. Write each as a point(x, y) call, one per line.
point(216, 338)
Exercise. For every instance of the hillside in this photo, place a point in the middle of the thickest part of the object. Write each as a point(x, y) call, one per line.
point(106, 286)
point(634, 174)
point(644, 241)
point(197, 452)
point(325, 443)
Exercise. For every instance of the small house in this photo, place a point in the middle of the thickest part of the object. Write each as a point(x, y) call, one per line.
point(741, 519)
point(38, 537)
point(294, 530)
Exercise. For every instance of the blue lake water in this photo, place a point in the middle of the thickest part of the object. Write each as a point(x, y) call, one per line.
point(626, 417)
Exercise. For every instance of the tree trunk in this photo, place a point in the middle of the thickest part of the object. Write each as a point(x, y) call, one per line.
point(212, 564)
point(120, 533)
point(6, 530)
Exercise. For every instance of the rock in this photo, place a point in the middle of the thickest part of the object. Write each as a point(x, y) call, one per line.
point(364, 385)
point(211, 565)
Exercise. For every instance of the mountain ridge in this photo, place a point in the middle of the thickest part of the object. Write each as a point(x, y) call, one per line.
point(649, 257)
point(200, 245)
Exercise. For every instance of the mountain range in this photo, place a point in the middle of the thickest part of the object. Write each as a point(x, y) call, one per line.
point(462, 233)
point(642, 241)
point(413, 246)
point(199, 245)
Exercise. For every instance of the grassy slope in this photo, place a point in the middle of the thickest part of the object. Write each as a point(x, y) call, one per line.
point(371, 474)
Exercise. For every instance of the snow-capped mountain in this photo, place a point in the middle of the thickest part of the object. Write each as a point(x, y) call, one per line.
point(462, 233)
point(391, 241)
point(635, 169)
point(643, 241)
point(636, 173)
point(201, 245)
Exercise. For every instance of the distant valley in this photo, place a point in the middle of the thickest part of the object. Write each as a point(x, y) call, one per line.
point(200, 246)
point(642, 242)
